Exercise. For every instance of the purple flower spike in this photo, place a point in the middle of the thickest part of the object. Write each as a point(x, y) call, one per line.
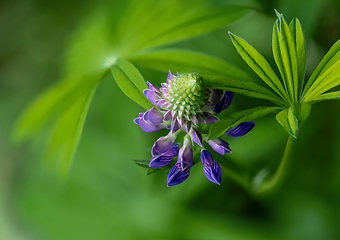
point(225, 102)
point(177, 176)
point(219, 145)
point(165, 158)
point(196, 136)
point(240, 129)
point(213, 172)
point(163, 144)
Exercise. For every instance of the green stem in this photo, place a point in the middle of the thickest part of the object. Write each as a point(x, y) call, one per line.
point(272, 183)
point(261, 185)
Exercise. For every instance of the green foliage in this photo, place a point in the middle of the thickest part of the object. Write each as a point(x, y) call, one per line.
point(150, 170)
point(186, 61)
point(122, 30)
point(231, 120)
point(289, 49)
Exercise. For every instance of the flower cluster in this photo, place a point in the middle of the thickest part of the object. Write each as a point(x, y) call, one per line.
point(185, 105)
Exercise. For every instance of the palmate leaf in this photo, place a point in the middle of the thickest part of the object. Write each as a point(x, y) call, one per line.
point(228, 121)
point(300, 46)
point(324, 76)
point(259, 65)
point(130, 82)
point(188, 61)
point(285, 56)
point(246, 88)
point(65, 105)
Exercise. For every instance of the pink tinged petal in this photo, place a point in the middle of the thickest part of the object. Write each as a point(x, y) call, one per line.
point(153, 96)
point(213, 172)
point(149, 126)
point(164, 104)
point(175, 125)
point(165, 158)
point(194, 119)
point(214, 95)
point(186, 125)
point(153, 87)
point(177, 176)
point(167, 116)
point(154, 115)
point(219, 145)
point(196, 136)
point(225, 102)
point(163, 144)
point(206, 158)
point(241, 129)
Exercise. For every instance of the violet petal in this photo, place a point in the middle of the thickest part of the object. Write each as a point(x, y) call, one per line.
point(149, 126)
point(224, 102)
point(219, 145)
point(240, 129)
point(214, 172)
point(196, 136)
point(177, 176)
point(154, 115)
point(206, 158)
point(163, 144)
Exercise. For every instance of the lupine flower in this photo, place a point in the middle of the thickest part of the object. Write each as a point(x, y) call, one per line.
point(184, 104)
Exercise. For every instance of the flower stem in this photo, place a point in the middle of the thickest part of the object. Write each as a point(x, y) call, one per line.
point(260, 184)
point(272, 183)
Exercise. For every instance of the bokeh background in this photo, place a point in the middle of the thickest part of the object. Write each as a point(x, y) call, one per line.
point(107, 196)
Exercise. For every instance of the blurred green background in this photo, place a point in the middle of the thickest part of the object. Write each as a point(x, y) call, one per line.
point(107, 196)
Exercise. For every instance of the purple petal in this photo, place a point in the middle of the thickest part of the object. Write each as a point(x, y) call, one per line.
point(224, 102)
point(219, 145)
point(186, 125)
point(153, 87)
point(164, 158)
point(153, 96)
point(149, 126)
point(240, 129)
point(196, 136)
point(167, 115)
point(154, 115)
point(175, 125)
point(136, 120)
point(206, 158)
point(160, 161)
point(214, 97)
point(163, 144)
point(209, 118)
point(185, 155)
point(177, 176)
point(170, 77)
point(214, 172)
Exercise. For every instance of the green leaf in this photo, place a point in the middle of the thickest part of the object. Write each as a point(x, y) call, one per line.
point(130, 82)
point(327, 96)
point(233, 119)
point(247, 88)
point(66, 132)
point(50, 102)
point(300, 46)
point(301, 111)
point(325, 69)
point(285, 56)
point(156, 23)
point(288, 121)
point(188, 61)
point(259, 65)
point(142, 163)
